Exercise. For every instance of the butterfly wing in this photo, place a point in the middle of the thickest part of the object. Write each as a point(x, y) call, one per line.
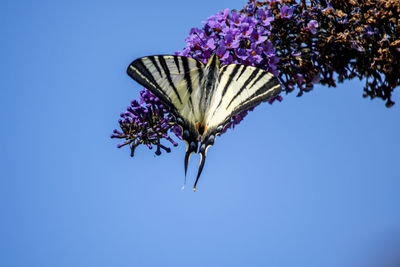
point(173, 79)
point(239, 88)
point(176, 81)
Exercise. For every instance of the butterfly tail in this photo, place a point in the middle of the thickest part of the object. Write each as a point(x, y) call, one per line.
point(208, 141)
point(202, 160)
point(191, 148)
point(191, 139)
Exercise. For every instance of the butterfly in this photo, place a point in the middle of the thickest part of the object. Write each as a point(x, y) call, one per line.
point(203, 97)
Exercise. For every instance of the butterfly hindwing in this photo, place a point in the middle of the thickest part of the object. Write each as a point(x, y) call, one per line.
point(238, 88)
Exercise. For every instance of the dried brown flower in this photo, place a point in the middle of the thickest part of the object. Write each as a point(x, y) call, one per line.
point(354, 39)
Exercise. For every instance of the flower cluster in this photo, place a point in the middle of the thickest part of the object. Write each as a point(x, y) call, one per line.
point(320, 41)
point(302, 42)
point(146, 123)
point(237, 37)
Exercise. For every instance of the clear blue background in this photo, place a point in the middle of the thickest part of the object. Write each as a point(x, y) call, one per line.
point(311, 181)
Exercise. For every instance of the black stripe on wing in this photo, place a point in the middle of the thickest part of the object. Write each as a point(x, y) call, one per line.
point(260, 90)
point(241, 72)
point(255, 86)
point(232, 74)
point(139, 72)
point(168, 76)
point(162, 75)
point(153, 60)
point(186, 71)
point(266, 92)
point(247, 82)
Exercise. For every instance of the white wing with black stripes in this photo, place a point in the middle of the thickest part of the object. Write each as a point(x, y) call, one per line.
point(239, 88)
point(203, 98)
point(173, 79)
point(177, 81)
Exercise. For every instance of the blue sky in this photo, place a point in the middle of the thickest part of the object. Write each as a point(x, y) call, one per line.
point(311, 181)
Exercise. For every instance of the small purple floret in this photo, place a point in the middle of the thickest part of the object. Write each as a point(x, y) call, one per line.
point(238, 38)
point(312, 26)
point(286, 12)
point(250, 9)
point(145, 123)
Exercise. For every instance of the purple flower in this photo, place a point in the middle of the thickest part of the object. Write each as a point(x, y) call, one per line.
point(232, 30)
point(226, 58)
point(251, 20)
point(295, 54)
point(242, 54)
point(250, 9)
point(223, 15)
point(312, 26)
point(211, 43)
point(145, 123)
point(258, 36)
point(230, 42)
point(195, 38)
point(255, 53)
point(221, 50)
point(237, 18)
point(236, 38)
point(217, 21)
point(245, 30)
point(264, 17)
point(254, 58)
point(215, 24)
point(268, 48)
point(286, 12)
point(185, 52)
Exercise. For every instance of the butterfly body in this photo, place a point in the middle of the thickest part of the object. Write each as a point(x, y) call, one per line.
point(203, 98)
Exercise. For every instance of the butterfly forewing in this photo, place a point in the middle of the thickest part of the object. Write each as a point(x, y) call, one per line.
point(173, 79)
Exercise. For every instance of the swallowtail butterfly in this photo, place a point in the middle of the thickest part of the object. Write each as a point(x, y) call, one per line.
point(203, 98)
